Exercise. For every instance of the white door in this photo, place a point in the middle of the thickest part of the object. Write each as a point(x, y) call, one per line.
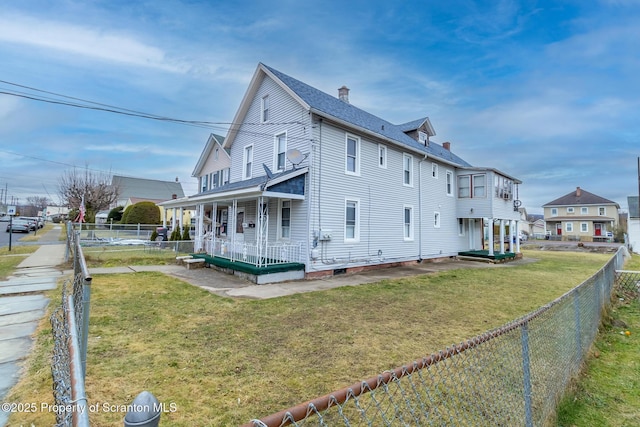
point(239, 225)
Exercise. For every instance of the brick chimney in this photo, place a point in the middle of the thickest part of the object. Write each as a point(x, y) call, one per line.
point(446, 146)
point(343, 94)
point(578, 192)
point(174, 196)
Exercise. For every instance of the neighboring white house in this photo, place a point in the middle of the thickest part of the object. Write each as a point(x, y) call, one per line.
point(633, 225)
point(309, 180)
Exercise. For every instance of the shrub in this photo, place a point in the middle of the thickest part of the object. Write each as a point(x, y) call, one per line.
point(141, 213)
point(115, 214)
point(185, 233)
point(154, 236)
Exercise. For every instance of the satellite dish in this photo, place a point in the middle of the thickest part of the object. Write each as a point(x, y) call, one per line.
point(267, 171)
point(295, 156)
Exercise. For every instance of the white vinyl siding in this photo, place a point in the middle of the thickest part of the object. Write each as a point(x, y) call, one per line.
point(352, 155)
point(436, 219)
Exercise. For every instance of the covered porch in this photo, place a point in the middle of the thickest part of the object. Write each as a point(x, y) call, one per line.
point(500, 240)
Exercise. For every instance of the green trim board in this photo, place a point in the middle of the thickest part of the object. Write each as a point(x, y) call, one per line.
point(485, 254)
point(249, 268)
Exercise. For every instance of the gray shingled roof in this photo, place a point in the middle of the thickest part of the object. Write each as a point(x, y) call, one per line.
point(331, 106)
point(584, 198)
point(146, 188)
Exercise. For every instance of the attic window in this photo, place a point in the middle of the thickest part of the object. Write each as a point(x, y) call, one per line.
point(265, 109)
point(423, 137)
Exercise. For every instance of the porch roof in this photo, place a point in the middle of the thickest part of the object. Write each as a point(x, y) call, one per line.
point(275, 186)
point(580, 218)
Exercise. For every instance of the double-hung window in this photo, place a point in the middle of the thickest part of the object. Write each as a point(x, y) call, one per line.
point(407, 170)
point(479, 185)
point(285, 219)
point(351, 221)
point(352, 154)
point(382, 156)
point(449, 183)
point(280, 151)
point(204, 179)
point(464, 186)
point(264, 110)
point(247, 161)
point(408, 222)
point(434, 170)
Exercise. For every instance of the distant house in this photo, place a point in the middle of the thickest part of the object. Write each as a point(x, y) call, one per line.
point(581, 216)
point(308, 185)
point(134, 190)
point(633, 225)
point(56, 213)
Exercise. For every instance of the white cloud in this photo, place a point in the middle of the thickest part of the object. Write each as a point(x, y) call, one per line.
point(104, 45)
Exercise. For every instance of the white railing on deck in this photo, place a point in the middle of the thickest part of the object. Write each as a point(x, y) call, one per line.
point(271, 253)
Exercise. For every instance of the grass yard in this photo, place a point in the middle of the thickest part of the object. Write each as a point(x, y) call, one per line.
point(608, 391)
point(117, 256)
point(9, 260)
point(222, 362)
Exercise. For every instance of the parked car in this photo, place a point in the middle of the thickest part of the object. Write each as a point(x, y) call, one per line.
point(32, 222)
point(4, 218)
point(19, 225)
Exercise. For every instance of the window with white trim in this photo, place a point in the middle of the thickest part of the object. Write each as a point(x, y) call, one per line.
point(460, 226)
point(285, 219)
point(408, 222)
point(280, 151)
point(215, 180)
point(434, 170)
point(382, 156)
point(571, 210)
point(436, 220)
point(225, 176)
point(449, 183)
point(584, 227)
point(602, 211)
point(352, 155)
point(584, 210)
point(264, 109)
point(203, 183)
point(479, 185)
point(247, 161)
point(351, 221)
point(568, 227)
point(554, 211)
point(423, 137)
point(407, 170)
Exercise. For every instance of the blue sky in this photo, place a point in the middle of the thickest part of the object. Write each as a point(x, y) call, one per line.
point(546, 91)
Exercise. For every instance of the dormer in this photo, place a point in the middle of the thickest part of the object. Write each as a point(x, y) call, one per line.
point(421, 130)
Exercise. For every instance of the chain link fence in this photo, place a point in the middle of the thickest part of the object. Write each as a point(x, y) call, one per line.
point(511, 376)
point(70, 325)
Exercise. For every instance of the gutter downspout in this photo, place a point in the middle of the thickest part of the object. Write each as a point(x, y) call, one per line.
point(420, 207)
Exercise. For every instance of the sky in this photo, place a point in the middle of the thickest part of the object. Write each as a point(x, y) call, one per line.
point(545, 91)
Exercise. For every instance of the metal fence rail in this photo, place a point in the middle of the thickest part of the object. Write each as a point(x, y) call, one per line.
point(511, 376)
point(70, 325)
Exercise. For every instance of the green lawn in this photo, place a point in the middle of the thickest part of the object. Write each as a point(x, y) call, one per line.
point(223, 361)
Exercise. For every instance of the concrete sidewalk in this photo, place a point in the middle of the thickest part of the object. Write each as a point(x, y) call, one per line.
point(22, 306)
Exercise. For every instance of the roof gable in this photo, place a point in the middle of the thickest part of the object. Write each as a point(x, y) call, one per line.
point(146, 188)
point(206, 152)
point(580, 197)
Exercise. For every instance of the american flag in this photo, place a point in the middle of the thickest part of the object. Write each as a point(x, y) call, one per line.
point(80, 217)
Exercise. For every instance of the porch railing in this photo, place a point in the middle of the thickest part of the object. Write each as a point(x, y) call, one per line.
point(252, 253)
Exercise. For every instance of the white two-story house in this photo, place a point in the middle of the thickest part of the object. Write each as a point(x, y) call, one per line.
point(314, 186)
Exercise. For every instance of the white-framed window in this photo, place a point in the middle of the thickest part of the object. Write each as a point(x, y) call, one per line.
point(215, 180)
point(571, 210)
point(568, 227)
point(351, 220)
point(284, 221)
point(247, 161)
point(464, 186)
point(264, 109)
point(382, 156)
point(434, 170)
point(280, 152)
point(449, 183)
point(436, 219)
point(423, 137)
point(407, 170)
point(352, 155)
point(408, 222)
point(203, 183)
point(225, 176)
point(584, 227)
point(460, 226)
point(602, 211)
point(216, 154)
point(479, 185)
point(554, 211)
point(584, 210)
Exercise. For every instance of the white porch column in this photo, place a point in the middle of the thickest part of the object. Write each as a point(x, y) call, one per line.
point(517, 231)
point(200, 227)
point(181, 220)
point(173, 220)
point(232, 219)
point(164, 217)
point(490, 237)
point(502, 237)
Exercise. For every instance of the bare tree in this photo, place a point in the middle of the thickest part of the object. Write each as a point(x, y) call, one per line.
point(95, 188)
point(35, 204)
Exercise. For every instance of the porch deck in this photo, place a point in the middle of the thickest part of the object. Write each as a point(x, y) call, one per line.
point(248, 268)
point(484, 254)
